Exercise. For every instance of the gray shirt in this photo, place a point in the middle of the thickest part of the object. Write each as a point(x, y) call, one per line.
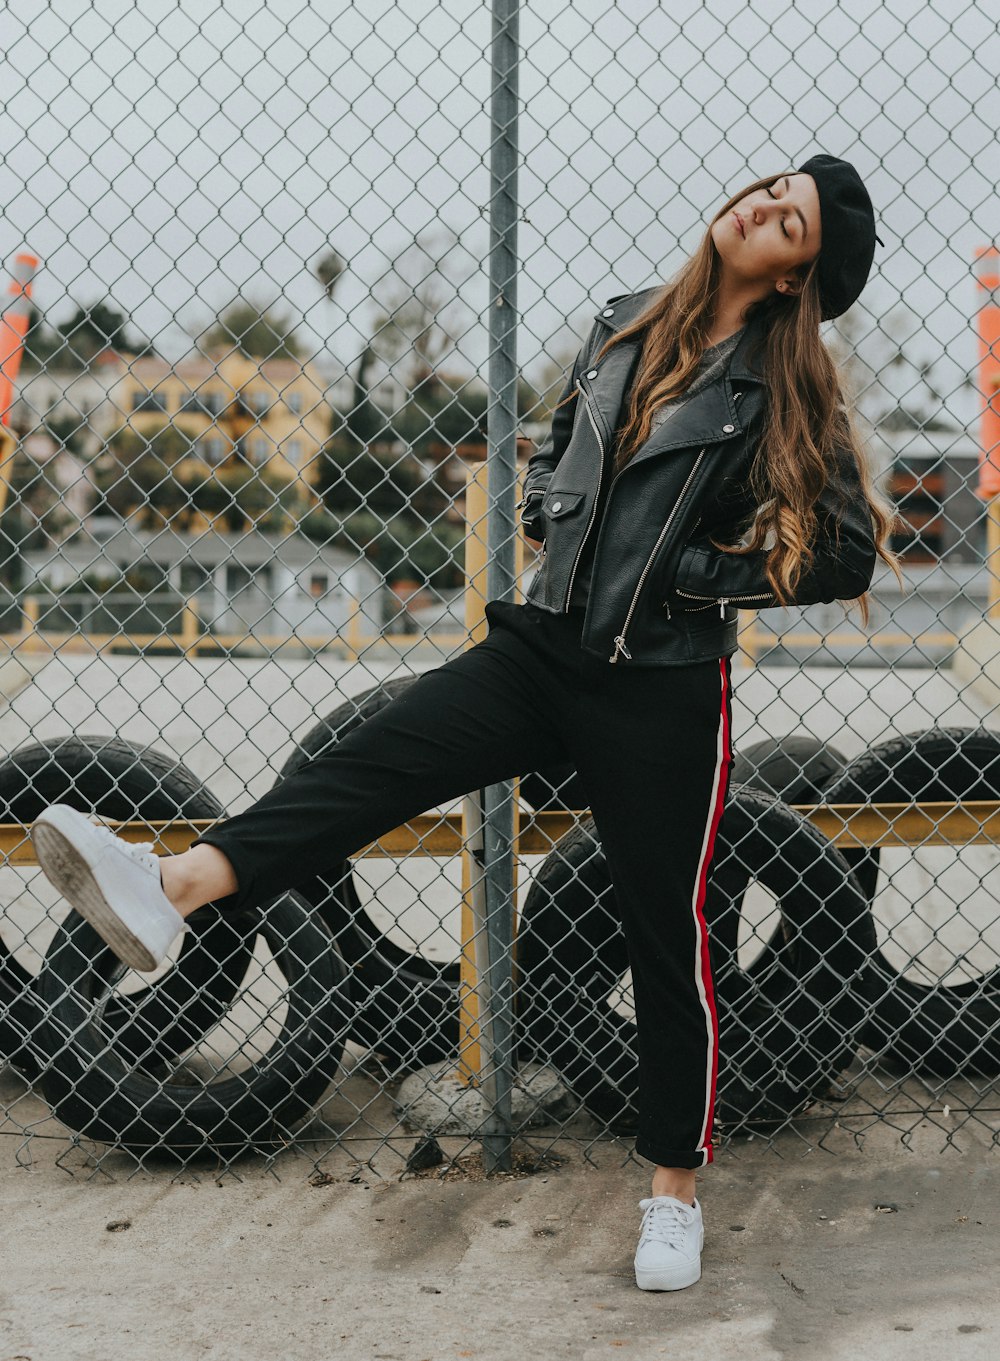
point(711, 367)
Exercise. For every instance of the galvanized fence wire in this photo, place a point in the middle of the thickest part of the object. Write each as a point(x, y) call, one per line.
point(292, 278)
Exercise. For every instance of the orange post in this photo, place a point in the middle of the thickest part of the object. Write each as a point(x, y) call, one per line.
point(987, 269)
point(13, 329)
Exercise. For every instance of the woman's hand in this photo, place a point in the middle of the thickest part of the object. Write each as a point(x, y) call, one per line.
point(533, 543)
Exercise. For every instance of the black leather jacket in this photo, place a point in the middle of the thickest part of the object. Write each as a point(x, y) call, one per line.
point(661, 594)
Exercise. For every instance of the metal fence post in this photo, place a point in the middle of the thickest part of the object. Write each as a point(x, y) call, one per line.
point(498, 805)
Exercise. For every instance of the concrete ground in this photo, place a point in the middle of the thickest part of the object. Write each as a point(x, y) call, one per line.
point(799, 1261)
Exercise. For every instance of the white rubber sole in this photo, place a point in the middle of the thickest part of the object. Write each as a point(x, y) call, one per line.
point(647, 1279)
point(659, 1280)
point(67, 869)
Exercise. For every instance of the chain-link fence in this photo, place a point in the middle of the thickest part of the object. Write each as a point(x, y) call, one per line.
point(272, 269)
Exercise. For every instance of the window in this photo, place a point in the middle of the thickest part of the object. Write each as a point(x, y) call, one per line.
point(214, 450)
point(257, 403)
point(149, 401)
point(241, 578)
point(294, 451)
point(260, 450)
point(195, 576)
point(238, 578)
point(204, 403)
point(319, 584)
point(293, 401)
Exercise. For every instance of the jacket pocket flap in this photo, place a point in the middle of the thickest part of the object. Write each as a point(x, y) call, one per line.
point(559, 503)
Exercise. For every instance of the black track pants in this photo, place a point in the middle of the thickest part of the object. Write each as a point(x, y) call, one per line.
point(653, 749)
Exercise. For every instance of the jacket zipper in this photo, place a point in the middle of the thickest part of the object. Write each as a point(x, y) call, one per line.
point(620, 648)
point(597, 497)
point(721, 601)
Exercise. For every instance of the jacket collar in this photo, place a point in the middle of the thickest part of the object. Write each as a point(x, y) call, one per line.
point(711, 417)
point(620, 312)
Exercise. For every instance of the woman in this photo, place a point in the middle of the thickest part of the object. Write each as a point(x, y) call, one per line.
point(694, 414)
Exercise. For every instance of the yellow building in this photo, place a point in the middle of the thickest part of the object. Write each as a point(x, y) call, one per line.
point(270, 413)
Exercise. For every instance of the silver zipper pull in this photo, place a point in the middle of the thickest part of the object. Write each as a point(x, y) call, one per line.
point(620, 648)
point(722, 606)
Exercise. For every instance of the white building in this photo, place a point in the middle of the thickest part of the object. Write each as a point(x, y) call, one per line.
point(241, 583)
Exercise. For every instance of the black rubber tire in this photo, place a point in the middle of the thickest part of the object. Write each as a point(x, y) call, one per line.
point(773, 1060)
point(796, 767)
point(405, 1006)
point(98, 1092)
point(116, 779)
point(939, 1029)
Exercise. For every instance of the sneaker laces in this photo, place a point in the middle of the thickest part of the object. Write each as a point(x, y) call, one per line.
point(666, 1221)
point(139, 850)
point(136, 849)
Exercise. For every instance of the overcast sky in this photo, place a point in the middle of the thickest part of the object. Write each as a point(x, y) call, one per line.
point(169, 155)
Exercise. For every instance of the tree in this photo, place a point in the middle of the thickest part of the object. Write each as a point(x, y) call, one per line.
point(259, 332)
point(421, 314)
point(890, 383)
point(377, 495)
point(35, 515)
point(442, 411)
point(241, 496)
point(137, 473)
point(76, 343)
point(329, 270)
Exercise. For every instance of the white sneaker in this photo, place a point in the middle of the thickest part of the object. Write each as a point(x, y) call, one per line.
point(670, 1241)
point(115, 884)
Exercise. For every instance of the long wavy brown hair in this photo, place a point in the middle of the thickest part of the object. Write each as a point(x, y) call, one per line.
point(806, 420)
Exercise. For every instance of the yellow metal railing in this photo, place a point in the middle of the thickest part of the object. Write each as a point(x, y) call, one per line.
point(847, 825)
point(193, 638)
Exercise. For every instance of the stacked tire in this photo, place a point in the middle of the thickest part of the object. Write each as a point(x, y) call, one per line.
point(116, 1065)
point(110, 1062)
point(776, 1056)
point(943, 1028)
point(795, 1008)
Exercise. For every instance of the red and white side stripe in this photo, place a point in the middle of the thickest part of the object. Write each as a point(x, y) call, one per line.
point(702, 961)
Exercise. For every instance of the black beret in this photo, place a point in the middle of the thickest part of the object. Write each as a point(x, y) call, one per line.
point(848, 225)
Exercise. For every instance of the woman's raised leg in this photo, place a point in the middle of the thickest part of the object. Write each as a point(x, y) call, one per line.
point(482, 717)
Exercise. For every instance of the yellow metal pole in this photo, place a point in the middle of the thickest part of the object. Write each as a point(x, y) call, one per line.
point(847, 825)
point(469, 1050)
point(8, 447)
point(749, 637)
point(354, 638)
point(190, 628)
point(31, 610)
point(993, 556)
